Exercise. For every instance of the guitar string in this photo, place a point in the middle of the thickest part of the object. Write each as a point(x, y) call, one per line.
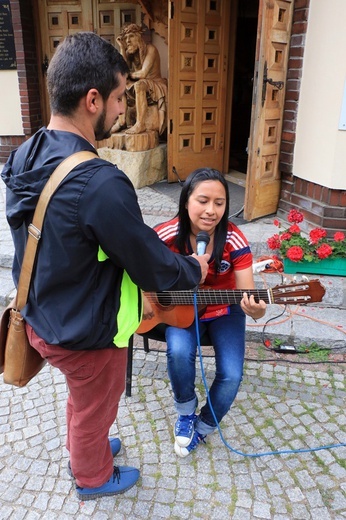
point(212, 296)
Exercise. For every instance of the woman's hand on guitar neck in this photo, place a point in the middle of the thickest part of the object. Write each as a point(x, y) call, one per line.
point(203, 262)
point(251, 308)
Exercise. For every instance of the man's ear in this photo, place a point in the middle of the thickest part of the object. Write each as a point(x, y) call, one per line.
point(92, 100)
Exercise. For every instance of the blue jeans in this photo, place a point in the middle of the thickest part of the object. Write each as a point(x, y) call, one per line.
point(227, 335)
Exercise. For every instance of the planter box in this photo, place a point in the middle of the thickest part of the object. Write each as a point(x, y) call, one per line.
point(330, 267)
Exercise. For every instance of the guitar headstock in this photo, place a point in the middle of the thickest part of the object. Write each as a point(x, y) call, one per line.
point(311, 291)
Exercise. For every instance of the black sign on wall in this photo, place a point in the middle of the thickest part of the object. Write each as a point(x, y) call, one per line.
point(7, 48)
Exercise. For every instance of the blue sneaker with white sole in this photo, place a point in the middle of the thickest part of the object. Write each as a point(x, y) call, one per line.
point(123, 478)
point(184, 429)
point(115, 444)
point(185, 451)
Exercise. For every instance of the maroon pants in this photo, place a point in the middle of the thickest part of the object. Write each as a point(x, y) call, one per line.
point(96, 381)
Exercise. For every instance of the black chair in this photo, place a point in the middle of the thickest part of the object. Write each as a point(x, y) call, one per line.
point(156, 334)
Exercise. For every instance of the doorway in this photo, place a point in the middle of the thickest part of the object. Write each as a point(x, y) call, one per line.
point(243, 83)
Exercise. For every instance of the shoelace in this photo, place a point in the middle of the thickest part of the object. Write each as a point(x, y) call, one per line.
point(116, 474)
point(185, 424)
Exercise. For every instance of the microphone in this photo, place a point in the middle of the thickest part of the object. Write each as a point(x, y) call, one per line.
point(202, 240)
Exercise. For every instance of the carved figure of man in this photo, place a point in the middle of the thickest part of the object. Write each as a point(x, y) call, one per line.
point(145, 84)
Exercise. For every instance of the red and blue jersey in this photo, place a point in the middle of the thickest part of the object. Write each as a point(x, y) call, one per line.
point(236, 256)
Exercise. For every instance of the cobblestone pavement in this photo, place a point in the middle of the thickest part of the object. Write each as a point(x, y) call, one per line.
point(278, 407)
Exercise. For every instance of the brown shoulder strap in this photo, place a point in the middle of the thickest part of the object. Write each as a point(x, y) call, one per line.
point(35, 227)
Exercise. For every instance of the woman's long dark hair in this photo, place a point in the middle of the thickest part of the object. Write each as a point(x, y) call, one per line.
point(195, 178)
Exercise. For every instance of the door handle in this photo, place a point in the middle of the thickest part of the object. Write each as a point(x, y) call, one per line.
point(277, 84)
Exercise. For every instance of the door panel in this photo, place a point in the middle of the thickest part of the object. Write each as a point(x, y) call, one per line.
point(198, 44)
point(263, 176)
point(59, 18)
point(108, 18)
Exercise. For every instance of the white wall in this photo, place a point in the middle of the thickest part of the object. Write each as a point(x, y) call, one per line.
point(320, 150)
point(10, 114)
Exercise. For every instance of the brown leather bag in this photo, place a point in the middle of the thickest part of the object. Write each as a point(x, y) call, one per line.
point(18, 360)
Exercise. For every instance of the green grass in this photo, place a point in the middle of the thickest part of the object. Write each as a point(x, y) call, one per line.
point(314, 351)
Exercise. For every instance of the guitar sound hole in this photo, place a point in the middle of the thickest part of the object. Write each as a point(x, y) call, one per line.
point(164, 299)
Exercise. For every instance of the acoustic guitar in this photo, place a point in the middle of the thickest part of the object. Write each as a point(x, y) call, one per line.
point(176, 308)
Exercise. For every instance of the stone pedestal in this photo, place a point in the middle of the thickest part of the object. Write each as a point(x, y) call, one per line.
point(143, 168)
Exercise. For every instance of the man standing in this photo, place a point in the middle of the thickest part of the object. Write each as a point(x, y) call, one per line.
point(95, 253)
point(145, 82)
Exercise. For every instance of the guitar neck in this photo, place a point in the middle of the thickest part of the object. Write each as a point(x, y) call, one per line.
point(211, 296)
point(294, 293)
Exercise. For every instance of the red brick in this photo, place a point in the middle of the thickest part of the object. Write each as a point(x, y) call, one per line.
point(289, 126)
point(292, 95)
point(288, 136)
point(296, 52)
point(334, 223)
point(295, 63)
point(300, 15)
point(299, 4)
point(294, 73)
point(336, 213)
point(334, 198)
point(324, 197)
point(292, 84)
point(287, 147)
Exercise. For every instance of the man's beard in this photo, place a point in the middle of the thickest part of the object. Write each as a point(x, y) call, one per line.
point(100, 131)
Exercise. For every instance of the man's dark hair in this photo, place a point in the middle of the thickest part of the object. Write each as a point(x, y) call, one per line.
point(82, 61)
point(195, 178)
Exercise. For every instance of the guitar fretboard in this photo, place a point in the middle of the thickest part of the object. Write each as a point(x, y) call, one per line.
point(211, 296)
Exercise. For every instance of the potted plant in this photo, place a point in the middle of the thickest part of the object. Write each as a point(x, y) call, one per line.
point(313, 253)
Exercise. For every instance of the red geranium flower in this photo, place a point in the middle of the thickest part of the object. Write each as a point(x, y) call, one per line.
point(339, 236)
point(324, 251)
point(295, 216)
point(313, 247)
point(294, 228)
point(316, 235)
point(285, 236)
point(295, 253)
point(274, 242)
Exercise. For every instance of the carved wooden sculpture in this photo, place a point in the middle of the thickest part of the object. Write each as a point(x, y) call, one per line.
point(146, 90)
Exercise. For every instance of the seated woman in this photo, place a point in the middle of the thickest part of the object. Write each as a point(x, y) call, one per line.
point(204, 206)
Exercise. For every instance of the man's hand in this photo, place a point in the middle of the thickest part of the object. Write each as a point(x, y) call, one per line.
point(203, 262)
point(148, 312)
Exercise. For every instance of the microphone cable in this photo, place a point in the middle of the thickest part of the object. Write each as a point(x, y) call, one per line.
point(238, 452)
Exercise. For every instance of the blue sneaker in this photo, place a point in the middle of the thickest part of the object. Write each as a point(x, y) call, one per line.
point(123, 478)
point(184, 429)
point(185, 451)
point(115, 447)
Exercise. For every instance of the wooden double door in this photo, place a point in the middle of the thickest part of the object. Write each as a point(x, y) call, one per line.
point(202, 37)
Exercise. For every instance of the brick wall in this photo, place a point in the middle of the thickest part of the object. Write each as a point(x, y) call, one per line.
point(23, 28)
point(322, 207)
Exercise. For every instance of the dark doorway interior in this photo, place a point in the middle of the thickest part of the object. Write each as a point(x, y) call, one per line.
point(245, 49)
